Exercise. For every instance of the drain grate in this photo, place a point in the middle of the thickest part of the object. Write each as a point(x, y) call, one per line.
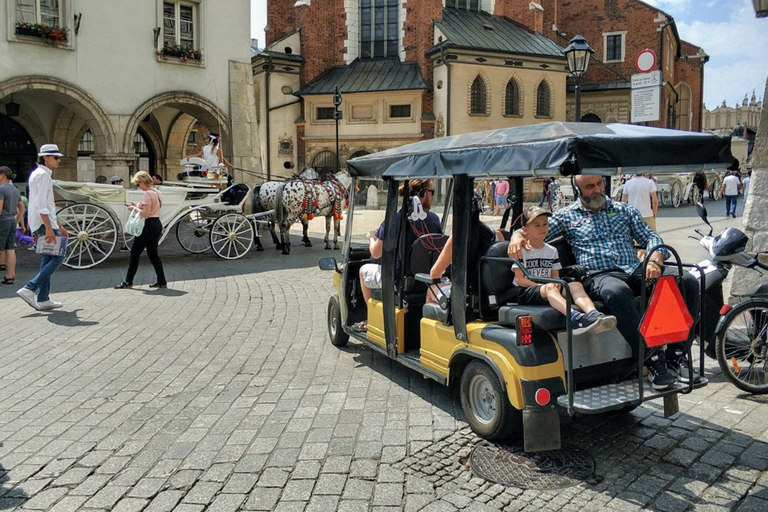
point(511, 466)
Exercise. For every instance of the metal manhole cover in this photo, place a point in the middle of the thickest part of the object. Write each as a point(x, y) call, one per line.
point(511, 466)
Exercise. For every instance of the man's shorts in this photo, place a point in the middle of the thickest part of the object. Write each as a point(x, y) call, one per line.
point(501, 199)
point(528, 295)
point(7, 235)
point(371, 275)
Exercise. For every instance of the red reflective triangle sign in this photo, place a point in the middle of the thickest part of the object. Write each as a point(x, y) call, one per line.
point(667, 319)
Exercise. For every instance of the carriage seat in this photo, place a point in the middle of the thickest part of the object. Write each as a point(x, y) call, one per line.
point(235, 194)
point(545, 317)
point(434, 311)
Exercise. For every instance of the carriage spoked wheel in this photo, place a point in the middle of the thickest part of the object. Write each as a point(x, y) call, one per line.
point(92, 232)
point(193, 231)
point(677, 194)
point(232, 236)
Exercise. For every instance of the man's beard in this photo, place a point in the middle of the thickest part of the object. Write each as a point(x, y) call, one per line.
point(594, 202)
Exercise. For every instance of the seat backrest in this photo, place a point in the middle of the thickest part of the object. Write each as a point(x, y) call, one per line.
point(235, 194)
point(420, 257)
point(564, 251)
point(496, 278)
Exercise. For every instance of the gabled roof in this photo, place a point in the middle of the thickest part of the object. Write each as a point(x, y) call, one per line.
point(482, 31)
point(368, 76)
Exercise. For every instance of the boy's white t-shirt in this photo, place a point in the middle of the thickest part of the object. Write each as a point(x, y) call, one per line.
point(540, 262)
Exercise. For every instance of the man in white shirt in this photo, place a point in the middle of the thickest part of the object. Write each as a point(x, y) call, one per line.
point(640, 192)
point(43, 222)
point(730, 189)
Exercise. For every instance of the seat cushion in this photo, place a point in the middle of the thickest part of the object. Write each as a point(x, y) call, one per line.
point(545, 317)
point(433, 311)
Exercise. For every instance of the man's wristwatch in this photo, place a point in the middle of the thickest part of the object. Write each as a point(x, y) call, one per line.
point(659, 263)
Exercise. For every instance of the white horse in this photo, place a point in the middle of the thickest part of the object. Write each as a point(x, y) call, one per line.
point(302, 199)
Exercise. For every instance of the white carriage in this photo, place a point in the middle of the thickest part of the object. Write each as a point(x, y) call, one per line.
point(201, 216)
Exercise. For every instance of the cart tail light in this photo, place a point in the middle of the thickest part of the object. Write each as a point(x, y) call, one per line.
point(726, 308)
point(524, 328)
point(542, 396)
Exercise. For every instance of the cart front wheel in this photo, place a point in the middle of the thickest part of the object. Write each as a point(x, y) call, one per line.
point(194, 232)
point(232, 236)
point(742, 346)
point(485, 404)
point(677, 194)
point(339, 338)
point(92, 232)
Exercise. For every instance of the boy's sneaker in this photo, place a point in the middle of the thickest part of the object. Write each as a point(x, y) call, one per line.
point(604, 322)
point(29, 297)
point(679, 366)
point(658, 375)
point(584, 324)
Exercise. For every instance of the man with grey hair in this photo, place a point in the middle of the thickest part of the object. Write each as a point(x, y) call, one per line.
point(11, 215)
point(43, 222)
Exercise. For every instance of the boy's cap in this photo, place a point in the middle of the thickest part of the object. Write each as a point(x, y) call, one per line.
point(532, 212)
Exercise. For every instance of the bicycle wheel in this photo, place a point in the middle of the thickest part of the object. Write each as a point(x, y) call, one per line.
point(742, 347)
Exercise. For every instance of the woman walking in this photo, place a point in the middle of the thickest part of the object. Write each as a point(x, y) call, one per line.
point(150, 205)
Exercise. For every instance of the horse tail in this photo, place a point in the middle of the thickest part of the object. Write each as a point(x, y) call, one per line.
point(279, 209)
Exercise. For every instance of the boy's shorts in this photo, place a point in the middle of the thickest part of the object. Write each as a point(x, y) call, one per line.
point(528, 295)
point(371, 274)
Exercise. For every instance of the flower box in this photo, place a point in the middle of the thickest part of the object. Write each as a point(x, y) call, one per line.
point(182, 53)
point(52, 35)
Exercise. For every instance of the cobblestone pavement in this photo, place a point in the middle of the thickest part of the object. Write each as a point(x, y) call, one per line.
point(223, 393)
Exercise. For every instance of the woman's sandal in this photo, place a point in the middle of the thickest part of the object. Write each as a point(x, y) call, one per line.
point(3, 267)
point(8, 280)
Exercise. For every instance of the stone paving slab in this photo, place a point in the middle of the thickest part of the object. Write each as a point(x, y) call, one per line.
point(224, 393)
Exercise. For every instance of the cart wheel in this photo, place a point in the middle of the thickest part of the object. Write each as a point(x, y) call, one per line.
point(194, 232)
point(339, 338)
point(714, 189)
point(485, 404)
point(231, 236)
point(92, 234)
point(663, 198)
point(695, 195)
point(742, 346)
point(677, 194)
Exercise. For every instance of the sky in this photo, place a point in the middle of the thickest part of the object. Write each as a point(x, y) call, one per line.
point(727, 30)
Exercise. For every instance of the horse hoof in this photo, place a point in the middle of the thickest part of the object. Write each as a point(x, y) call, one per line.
point(327, 247)
point(259, 248)
point(286, 252)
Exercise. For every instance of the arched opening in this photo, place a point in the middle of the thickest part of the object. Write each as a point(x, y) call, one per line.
point(591, 118)
point(326, 164)
point(543, 100)
point(684, 107)
point(17, 150)
point(478, 96)
point(512, 99)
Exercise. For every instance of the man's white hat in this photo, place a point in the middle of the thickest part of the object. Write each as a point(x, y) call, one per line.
point(49, 150)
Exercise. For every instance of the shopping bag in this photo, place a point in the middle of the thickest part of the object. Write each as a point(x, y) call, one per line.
point(135, 224)
point(56, 248)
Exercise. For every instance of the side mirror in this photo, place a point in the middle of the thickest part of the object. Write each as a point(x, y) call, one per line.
point(329, 264)
point(702, 211)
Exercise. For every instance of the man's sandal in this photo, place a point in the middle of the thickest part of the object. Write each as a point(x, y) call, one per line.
point(8, 280)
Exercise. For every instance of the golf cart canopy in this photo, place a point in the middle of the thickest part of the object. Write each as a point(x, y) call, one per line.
point(551, 149)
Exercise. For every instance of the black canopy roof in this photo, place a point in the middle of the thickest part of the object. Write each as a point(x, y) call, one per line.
point(551, 149)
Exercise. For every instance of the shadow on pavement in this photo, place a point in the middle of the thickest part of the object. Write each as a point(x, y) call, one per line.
point(10, 497)
point(68, 318)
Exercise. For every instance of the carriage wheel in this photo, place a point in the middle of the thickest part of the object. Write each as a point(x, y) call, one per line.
point(677, 194)
point(194, 232)
point(714, 189)
point(232, 236)
point(663, 197)
point(695, 195)
point(92, 234)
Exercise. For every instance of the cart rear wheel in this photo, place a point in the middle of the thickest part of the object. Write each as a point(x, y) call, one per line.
point(339, 338)
point(92, 234)
point(742, 346)
point(194, 232)
point(714, 188)
point(485, 404)
point(677, 194)
point(231, 236)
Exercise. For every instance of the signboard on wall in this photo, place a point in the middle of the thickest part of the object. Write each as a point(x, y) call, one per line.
point(646, 97)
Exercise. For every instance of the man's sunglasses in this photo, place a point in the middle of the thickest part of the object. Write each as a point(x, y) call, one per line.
point(54, 157)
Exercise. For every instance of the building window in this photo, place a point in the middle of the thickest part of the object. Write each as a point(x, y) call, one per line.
point(512, 99)
point(325, 113)
point(543, 100)
point(467, 5)
point(85, 147)
point(179, 24)
point(399, 111)
point(478, 97)
point(614, 46)
point(192, 138)
point(378, 28)
point(45, 12)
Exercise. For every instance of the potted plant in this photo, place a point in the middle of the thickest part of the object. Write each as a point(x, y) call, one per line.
point(183, 53)
point(52, 35)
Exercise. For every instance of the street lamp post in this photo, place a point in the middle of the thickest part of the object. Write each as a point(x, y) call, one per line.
point(577, 53)
point(337, 114)
point(761, 8)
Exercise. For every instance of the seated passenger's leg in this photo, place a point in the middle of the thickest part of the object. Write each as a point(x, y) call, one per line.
point(370, 278)
point(614, 290)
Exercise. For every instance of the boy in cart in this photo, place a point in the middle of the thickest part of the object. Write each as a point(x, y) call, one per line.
point(541, 260)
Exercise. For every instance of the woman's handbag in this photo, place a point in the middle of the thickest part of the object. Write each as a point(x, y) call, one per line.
point(135, 224)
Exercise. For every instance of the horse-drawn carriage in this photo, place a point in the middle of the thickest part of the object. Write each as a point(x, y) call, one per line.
point(202, 218)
